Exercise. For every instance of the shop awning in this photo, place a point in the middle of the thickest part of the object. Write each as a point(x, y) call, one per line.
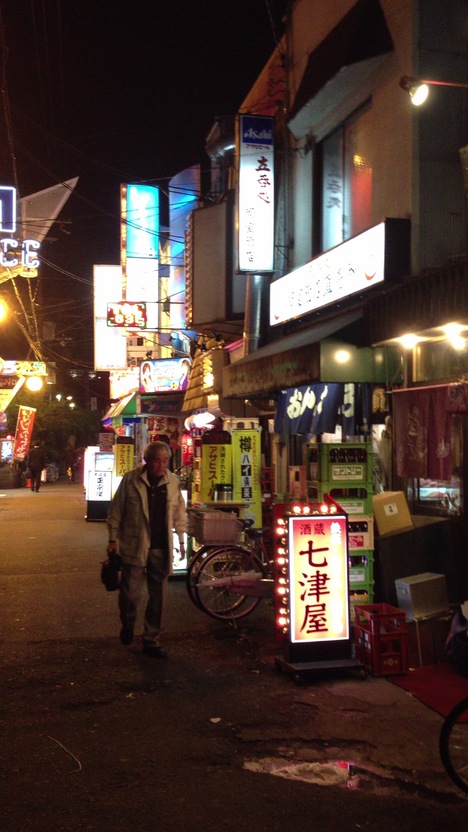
point(124, 407)
point(420, 303)
point(291, 360)
point(341, 63)
point(205, 376)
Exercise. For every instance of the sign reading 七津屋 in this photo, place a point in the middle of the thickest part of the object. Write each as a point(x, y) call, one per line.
point(318, 579)
point(255, 199)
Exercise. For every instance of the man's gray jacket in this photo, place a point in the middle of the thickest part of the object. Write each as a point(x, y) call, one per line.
point(128, 518)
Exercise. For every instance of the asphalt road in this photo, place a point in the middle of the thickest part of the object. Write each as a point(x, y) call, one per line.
point(97, 736)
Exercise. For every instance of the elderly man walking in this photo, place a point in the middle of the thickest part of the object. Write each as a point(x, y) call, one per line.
point(148, 505)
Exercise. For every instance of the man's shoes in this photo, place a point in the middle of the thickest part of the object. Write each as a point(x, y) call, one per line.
point(154, 651)
point(126, 635)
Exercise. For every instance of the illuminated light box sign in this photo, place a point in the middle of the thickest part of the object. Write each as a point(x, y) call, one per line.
point(255, 201)
point(7, 209)
point(355, 266)
point(318, 578)
point(110, 343)
point(22, 368)
point(164, 375)
point(129, 314)
point(12, 252)
point(99, 486)
point(139, 241)
point(312, 606)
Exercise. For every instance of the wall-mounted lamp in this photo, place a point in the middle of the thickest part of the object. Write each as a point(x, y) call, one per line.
point(418, 90)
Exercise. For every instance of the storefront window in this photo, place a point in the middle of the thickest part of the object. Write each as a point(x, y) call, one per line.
point(346, 180)
point(434, 360)
point(444, 497)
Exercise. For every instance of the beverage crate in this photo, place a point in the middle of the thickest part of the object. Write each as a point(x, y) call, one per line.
point(214, 526)
point(381, 637)
point(358, 597)
point(361, 569)
point(267, 484)
point(335, 462)
point(354, 498)
point(361, 532)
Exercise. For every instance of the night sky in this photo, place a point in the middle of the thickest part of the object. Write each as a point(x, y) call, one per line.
point(117, 91)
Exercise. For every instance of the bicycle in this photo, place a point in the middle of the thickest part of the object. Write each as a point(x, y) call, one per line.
point(230, 580)
point(453, 744)
point(52, 472)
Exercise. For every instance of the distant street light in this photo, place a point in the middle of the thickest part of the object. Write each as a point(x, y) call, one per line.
point(418, 90)
point(34, 383)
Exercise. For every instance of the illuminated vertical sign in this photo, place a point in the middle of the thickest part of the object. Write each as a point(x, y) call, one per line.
point(124, 458)
point(216, 467)
point(110, 343)
point(7, 209)
point(23, 433)
point(246, 472)
point(318, 579)
point(255, 199)
point(14, 253)
point(140, 242)
point(184, 193)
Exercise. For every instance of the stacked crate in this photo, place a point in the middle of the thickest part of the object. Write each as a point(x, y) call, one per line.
point(345, 472)
point(381, 637)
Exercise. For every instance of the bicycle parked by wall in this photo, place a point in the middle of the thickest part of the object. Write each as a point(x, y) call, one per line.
point(453, 744)
point(227, 580)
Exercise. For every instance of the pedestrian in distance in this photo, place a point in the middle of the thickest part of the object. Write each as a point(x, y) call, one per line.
point(148, 505)
point(36, 462)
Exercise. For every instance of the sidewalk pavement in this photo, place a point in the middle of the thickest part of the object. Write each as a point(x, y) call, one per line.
point(59, 640)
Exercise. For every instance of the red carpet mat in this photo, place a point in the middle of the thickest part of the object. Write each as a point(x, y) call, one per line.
point(437, 685)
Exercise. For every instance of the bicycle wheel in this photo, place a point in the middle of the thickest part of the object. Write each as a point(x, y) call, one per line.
point(213, 587)
point(193, 567)
point(52, 473)
point(453, 744)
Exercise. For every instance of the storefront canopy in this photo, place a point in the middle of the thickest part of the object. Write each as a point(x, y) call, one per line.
point(124, 407)
point(420, 303)
point(291, 360)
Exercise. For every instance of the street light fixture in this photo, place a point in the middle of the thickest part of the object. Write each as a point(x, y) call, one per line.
point(418, 90)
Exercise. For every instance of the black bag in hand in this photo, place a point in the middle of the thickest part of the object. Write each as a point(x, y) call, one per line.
point(110, 572)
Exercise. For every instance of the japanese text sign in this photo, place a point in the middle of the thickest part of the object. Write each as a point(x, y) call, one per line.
point(246, 469)
point(318, 578)
point(24, 429)
point(256, 194)
point(124, 458)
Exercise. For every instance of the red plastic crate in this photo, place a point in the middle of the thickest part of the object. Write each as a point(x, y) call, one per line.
point(381, 638)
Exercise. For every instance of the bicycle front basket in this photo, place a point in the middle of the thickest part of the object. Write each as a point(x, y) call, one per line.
point(216, 527)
